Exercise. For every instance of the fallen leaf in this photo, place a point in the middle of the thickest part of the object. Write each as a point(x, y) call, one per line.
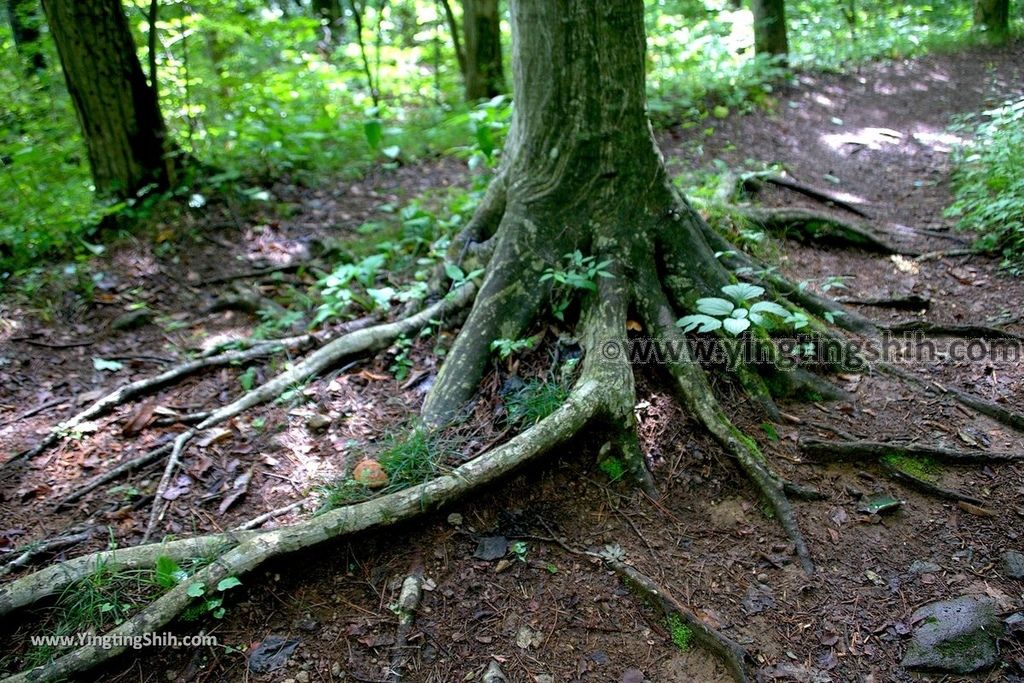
point(238, 490)
point(142, 417)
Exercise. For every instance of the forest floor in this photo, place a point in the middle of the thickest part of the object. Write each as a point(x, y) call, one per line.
point(879, 135)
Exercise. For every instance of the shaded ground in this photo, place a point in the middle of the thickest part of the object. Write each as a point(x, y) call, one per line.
point(881, 138)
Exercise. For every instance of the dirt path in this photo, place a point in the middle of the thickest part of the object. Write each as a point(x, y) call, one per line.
point(879, 137)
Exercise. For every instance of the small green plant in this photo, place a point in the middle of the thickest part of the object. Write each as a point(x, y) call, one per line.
point(578, 272)
point(734, 316)
point(682, 634)
point(402, 362)
point(534, 401)
point(613, 467)
point(520, 549)
point(212, 602)
point(505, 348)
point(414, 457)
point(460, 278)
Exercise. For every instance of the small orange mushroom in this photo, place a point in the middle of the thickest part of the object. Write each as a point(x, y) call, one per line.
point(370, 474)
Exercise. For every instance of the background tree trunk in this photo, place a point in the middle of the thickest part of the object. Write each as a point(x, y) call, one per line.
point(331, 11)
point(992, 17)
point(483, 68)
point(770, 27)
point(26, 22)
point(118, 111)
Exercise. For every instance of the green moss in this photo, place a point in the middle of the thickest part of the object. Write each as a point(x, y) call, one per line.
point(682, 635)
point(613, 467)
point(924, 469)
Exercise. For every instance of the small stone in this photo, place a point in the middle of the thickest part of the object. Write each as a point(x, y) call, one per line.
point(132, 319)
point(336, 669)
point(957, 636)
point(544, 678)
point(302, 677)
point(762, 577)
point(924, 567)
point(632, 676)
point(318, 422)
point(490, 548)
point(1013, 564)
point(289, 680)
point(455, 519)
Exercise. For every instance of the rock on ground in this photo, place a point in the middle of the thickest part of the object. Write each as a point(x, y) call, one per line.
point(957, 636)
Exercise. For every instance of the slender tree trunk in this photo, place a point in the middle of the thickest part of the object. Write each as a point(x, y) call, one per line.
point(331, 12)
point(992, 17)
point(483, 68)
point(770, 27)
point(26, 22)
point(117, 109)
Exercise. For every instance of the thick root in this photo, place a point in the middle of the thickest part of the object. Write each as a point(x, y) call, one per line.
point(925, 486)
point(725, 649)
point(860, 451)
point(142, 387)
point(698, 397)
point(816, 228)
point(361, 341)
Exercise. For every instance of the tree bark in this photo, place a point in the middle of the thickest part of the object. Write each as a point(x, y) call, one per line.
point(120, 118)
point(26, 22)
point(770, 27)
point(580, 170)
point(482, 70)
point(992, 18)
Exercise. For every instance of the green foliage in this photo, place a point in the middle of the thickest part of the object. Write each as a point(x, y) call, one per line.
point(989, 182)
point(506, 348)
point(533, 401)
point(682, 634)
point(209, 601)
point(735, 316)
point(578, 272)
point(415, 456)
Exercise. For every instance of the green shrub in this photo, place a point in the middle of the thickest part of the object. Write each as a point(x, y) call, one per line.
point(989, 182)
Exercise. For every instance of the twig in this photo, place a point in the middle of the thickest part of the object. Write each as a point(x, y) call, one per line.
point(35, 549)
point(117, 472)
point(266, 516)
point(408, 603)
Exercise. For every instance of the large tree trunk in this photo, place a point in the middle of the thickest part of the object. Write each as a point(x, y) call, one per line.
point(25, 25)
point(482, 65)
point(580, 170)
point(992, 17)
point(118, 111)
point(770, 27)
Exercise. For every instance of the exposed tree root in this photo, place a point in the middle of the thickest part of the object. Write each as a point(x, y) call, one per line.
point(725, 649)
point(925, 486)
point(816, 227)
point(22, 558)
point(408, 603)
point(214, 358)
point(944, 330)
point(361, 341)
point(859, 451)
point(698, 397)
point(247, 550)
point(903, 303)
point(990, 409)
point(823, 196)
point(116, 473)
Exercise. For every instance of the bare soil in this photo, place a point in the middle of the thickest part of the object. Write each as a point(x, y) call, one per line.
point(879, 136)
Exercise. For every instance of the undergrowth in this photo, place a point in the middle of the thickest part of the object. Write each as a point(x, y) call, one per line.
point(989, 181)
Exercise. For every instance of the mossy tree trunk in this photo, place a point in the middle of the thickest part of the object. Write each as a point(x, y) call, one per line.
point(992, 18)
point(482, 65)
point(120, 118)
point(332, 14)
point(770, 27)
point(26, 21)
point(581, 171)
